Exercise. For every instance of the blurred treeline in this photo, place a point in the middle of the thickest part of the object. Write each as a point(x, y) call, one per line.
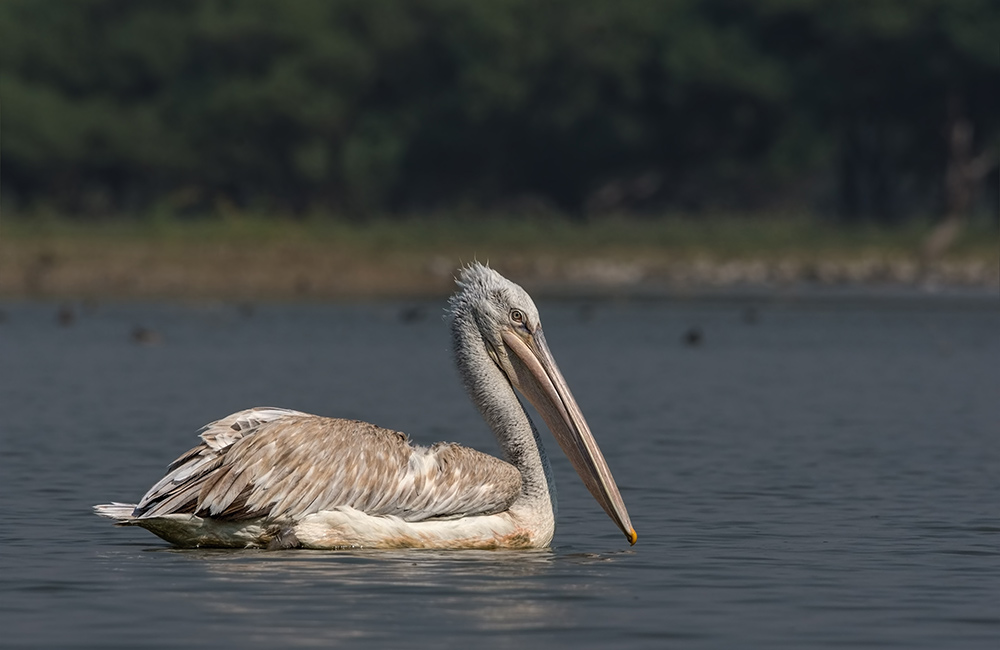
point(580, 106)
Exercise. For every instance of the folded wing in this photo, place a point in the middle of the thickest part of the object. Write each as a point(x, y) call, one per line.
point(284, 465)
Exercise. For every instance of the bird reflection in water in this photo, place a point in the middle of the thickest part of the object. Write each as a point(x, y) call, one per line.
point(474, 590)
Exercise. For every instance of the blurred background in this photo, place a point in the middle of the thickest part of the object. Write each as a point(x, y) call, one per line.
point(615, 143)
point(764, 237)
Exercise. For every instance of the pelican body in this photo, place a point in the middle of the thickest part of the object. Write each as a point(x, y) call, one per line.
point(277, 478)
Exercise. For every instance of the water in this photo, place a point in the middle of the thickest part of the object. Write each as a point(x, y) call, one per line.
point(816, 472)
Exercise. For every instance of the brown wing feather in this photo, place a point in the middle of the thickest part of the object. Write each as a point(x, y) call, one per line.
point(293, 464)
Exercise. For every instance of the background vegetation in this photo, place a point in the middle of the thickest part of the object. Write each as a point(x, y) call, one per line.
point(583, 107)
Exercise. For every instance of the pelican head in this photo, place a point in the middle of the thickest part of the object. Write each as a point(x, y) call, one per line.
point(507, 321)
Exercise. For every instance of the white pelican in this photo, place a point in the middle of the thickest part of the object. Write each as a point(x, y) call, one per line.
point(277, 478)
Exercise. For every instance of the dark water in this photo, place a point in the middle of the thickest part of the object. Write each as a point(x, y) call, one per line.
point(814, 472)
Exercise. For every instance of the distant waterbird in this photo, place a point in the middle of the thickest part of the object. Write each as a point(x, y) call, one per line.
point(693, 337)
point(410, 315)
point(277, 478)
point(145, 336)
point(66, 315)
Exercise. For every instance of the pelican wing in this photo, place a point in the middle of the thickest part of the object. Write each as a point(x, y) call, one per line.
point(282, 464)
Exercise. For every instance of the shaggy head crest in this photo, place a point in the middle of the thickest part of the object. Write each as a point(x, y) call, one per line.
point(482, 291)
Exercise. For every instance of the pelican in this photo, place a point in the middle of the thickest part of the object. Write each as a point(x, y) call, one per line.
point(277, 478)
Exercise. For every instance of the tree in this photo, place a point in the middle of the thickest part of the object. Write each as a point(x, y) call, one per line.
point(372, 105)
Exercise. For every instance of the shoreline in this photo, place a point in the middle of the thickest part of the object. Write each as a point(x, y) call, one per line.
point(139, 276)
point(257, 259)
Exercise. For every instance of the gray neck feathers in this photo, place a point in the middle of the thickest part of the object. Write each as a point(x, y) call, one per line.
point(493, 395)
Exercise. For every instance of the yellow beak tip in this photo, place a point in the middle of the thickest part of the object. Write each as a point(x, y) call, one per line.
point(631, 536)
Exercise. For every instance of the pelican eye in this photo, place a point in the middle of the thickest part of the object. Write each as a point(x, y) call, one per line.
point(517, 316)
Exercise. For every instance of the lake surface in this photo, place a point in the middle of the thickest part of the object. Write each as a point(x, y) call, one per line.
point(815, 471)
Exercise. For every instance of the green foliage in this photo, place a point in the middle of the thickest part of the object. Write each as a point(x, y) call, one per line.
point(375, 105)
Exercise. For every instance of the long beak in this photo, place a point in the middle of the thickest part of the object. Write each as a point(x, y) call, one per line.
point(537, 376)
